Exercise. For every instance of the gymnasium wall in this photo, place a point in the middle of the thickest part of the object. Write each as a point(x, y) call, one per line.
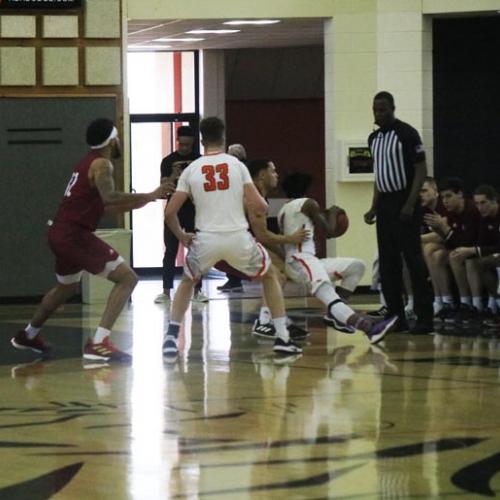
point(275, 108)
point(59, 69)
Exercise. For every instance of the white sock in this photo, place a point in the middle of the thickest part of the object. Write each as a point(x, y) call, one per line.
point(437, 306)
point(341, 311)
point(410, 302)
point(448, 299)
point(438, 300)
point(477, 302)
point(326, 294)
point(31, 331)
point(288, 321)
point(382, 299)
point(264, 315)
point(100, 334)
point(466, 300)
point(281, 329)
point(492, 305)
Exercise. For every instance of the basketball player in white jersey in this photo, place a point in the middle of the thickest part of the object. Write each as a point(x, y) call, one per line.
point(221, 188)
point(302, 265)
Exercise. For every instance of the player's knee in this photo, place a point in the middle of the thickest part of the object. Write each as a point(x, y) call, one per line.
point(357, 268)
point(131, 279)
point(439, 257)
point(69, 289)
point(317, 284)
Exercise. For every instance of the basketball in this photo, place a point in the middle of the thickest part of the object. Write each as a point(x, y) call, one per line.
point(341, 221)
point(341, 225)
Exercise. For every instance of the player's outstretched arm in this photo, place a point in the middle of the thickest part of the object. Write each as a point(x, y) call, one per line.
point(323, 220)
point(172, 220)
point(101, 172)
point(258, 223)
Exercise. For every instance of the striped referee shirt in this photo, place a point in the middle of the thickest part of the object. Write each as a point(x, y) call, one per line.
point(395, 150)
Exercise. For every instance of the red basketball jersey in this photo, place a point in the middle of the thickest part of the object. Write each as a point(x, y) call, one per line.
point(82, 204)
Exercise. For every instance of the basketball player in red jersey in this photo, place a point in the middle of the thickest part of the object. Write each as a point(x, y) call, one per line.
point(90, 191)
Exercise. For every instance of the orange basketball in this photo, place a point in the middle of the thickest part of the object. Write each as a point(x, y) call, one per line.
point(342, 224)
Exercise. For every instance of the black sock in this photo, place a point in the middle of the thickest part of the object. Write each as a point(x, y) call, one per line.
point(173, 329)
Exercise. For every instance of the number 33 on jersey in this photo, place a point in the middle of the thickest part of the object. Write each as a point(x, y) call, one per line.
point(210, 172)
point(216, 185)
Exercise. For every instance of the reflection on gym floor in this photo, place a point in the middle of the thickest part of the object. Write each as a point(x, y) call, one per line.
point(411, 417)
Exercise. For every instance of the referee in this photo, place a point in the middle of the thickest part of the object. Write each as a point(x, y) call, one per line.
point(400, 170)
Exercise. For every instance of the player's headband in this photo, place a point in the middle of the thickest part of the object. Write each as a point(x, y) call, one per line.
point(113, 135)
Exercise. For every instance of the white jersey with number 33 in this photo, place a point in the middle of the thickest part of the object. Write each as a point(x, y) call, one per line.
point(215, 184)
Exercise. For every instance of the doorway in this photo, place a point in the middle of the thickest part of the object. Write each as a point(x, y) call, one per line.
point(164, 94)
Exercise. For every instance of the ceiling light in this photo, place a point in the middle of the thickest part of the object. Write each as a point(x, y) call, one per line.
point(217, 32)
point(179, 39)
point(255, 22)
point(148, 47)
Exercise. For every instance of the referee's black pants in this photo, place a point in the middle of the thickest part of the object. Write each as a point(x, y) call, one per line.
point(171, 248)
point(396, 238)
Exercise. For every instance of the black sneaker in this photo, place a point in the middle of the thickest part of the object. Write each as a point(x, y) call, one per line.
point(466, 314)
point(422, 329)
point(493, 321)
point(400, 327)
point(280, 346)
point(265, 330)
point(335, 323)
point(446, 314)
point(382, 312)
point(170, 349)
point(231, 285)
point(487, 316)
point(297, 333)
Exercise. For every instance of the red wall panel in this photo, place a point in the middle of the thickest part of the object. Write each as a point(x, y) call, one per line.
point(289, 132)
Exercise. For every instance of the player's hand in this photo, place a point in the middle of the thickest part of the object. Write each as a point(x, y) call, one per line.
point(435, 221)
point(299, 236)
point(463, 252)
point(163, 190)
point(406, 213)
point(370, 216)
point(187, 239)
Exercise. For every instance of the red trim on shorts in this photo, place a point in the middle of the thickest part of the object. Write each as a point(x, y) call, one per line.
point(338, 275)
point(263, 261)
point(305, 265)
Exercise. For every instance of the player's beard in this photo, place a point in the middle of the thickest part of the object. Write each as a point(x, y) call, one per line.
point(117, 152)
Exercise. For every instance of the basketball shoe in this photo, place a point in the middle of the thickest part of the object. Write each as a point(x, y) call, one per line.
point(37, 344)
point(104, 351)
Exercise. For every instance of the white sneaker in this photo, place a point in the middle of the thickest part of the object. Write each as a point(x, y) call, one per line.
point(162, 298)
point(199, 296)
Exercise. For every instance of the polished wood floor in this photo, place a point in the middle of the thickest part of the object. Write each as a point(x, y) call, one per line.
point(416, 417)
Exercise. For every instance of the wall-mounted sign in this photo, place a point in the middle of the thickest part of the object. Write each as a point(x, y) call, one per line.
point(355, 162)
point(40, 4)
point(360, 160)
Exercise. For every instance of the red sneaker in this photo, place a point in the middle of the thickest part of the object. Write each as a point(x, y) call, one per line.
point(37, 344)
point(104, 351)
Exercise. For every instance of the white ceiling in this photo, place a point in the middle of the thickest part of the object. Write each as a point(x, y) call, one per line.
point(287, 33)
